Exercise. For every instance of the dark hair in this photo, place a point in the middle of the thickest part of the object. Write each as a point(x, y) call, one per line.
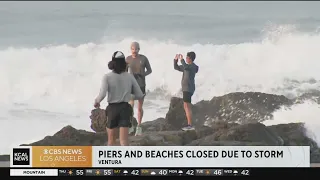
point(191, 55)
point(118, 64)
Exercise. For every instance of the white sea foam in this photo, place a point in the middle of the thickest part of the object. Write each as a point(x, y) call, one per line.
point(308, 113)
point(44, 89)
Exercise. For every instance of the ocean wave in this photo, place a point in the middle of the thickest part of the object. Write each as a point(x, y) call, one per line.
point(66, 79)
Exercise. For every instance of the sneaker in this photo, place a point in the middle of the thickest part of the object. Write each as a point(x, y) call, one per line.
point(138, 131)
point(188, 128)
point(131, 130)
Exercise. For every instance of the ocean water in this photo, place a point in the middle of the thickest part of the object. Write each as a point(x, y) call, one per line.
point(54, 54)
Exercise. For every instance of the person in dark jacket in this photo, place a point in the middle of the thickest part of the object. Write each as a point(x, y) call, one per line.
point(189, 70)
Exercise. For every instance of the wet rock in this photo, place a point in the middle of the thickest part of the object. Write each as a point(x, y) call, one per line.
point(248, 134)
point(293, 134)
point(230, 120)
point(236, 107)
point(99, 120)
point(69, 136)
point(157, 125)
point(313, 96)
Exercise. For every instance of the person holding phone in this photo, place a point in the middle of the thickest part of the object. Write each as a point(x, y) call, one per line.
point(189, 70)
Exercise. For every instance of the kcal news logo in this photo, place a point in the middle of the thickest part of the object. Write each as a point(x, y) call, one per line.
point(21, 156)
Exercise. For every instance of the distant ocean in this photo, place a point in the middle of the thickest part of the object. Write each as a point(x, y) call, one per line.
point(54, 54)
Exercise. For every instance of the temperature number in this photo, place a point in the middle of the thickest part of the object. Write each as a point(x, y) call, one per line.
point(135, 172)
point(245, 172)
point(217, 172)
point(163, 172)
point(190, 172)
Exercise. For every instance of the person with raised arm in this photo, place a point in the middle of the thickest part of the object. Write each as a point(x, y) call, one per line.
point(189, 70)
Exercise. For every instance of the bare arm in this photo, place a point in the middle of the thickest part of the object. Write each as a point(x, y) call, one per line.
point(148, 67)
point(176, 66)
point(103, 90)
point(136, 91)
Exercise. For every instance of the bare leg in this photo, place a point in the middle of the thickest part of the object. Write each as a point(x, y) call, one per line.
point(124, 136)
point(140, 111)
point(111, 136)
point(140, 115)
point(132, 128)
point(187, 109)
point(131, 102)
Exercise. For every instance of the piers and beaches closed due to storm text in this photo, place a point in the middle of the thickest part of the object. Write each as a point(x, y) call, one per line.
point(189, 154)
point(194, 156)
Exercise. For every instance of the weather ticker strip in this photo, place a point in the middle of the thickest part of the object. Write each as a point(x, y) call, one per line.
point(102, 172)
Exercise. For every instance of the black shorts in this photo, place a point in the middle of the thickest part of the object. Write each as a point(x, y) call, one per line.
point(119, 115)
point(187, 96)
point(143, 89)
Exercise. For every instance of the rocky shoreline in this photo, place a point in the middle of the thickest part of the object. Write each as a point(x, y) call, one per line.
point(230, 120)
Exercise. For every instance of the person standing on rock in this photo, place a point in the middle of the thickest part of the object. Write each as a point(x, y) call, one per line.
point(119, 85)
point(189, 70)
point(139, 66)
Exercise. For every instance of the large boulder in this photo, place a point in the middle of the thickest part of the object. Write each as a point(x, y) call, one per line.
point(249, 134)
point(175, 116)
point(295, 134)
point(69, 136)
point(252, 132)
point(247, 107)
point(234, 107)
point(168, 137)
point(164, 138)
point(159, 124)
